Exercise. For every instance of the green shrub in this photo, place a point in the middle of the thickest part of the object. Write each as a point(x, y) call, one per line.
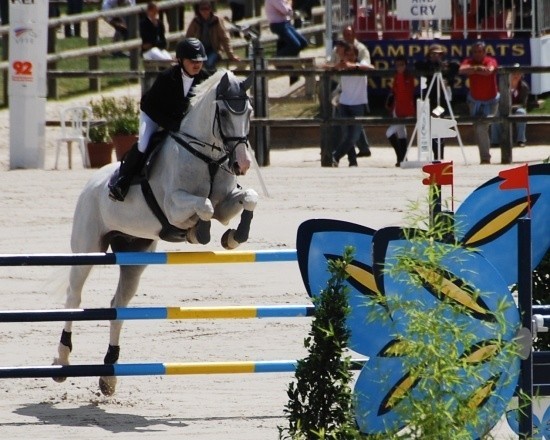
point(121, 116)
point(321, 401)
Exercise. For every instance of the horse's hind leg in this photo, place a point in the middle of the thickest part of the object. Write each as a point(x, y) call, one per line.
point(127, 286)
point(227, 209)
point(74, 296)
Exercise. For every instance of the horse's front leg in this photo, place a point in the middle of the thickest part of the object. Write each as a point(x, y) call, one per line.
point(238, 200)
point(183, 212)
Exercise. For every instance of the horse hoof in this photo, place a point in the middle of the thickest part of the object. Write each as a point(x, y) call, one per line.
point(228, 240)
point(202, 231)
point(107, 385)
point(56, 361)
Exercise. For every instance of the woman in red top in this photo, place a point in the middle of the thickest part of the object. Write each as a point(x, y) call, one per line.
point(401, 104)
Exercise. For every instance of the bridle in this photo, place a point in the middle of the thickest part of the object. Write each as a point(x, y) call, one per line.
point(214, 165)
point(234, 109)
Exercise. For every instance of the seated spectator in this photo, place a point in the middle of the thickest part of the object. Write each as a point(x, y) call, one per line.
point(120, 24)
point(279, 13)
point(519, 93)
point(151, 30)
point(207, 27)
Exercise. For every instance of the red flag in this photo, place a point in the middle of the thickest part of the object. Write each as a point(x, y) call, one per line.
point(440, 173)
point(515, 178)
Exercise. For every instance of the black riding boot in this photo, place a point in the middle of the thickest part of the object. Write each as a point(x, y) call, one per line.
point(395, 144)
point(129, 167)
point(401, 149)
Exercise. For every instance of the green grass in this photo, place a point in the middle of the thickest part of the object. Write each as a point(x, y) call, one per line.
point(71, 87)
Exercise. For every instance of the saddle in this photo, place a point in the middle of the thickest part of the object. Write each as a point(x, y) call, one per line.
point(168, 232)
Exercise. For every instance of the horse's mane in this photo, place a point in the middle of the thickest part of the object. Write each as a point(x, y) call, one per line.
point(206, 86)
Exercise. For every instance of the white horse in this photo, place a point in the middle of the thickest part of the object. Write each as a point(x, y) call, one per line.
point(193, 180)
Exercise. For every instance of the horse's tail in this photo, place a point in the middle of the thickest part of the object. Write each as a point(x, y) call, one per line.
point(58, 283)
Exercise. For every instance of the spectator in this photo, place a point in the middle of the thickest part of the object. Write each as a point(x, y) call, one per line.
point(73, 7)
point(120, 24)
point(238, 10)
point(352, 103)
point(519, 92)
point(207, 27)
point(434, 63)
point(483, 96)
point(279, 13)
point(348, 35)
point(151, 30)
point(400, 104)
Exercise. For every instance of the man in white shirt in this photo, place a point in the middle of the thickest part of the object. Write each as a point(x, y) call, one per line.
point(352, 103)
point(363, 55)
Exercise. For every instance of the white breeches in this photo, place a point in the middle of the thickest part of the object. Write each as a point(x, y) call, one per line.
point(146, 129)
point(398, 129)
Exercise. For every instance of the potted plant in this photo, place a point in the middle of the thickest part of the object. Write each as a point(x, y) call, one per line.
point(124, 124)
point(100, 147)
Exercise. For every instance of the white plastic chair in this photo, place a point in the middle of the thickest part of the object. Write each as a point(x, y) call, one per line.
point(75, 127)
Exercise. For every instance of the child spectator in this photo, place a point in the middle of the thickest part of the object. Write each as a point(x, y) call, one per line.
point(401, 105)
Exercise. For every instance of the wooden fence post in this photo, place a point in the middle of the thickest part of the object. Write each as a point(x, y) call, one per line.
point(5, 73)
point(326, 116)
point(261, 132)
point(505, 109)
point(135, 54)
point(93, 61)
point(52, 82)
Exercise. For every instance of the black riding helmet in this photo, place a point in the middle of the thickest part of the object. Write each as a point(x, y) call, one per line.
point(191, 49)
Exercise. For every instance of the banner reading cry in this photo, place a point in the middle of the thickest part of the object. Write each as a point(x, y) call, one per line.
point(423, 9)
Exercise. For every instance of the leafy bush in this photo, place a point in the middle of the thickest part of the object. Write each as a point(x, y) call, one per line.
point(125, 116)
point(121, 116)
point(321, 401)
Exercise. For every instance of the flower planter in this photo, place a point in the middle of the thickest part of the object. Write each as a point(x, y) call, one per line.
point(122, 143)
point(100, 153)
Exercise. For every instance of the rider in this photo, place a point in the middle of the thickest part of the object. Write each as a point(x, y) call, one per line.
point(163, 105)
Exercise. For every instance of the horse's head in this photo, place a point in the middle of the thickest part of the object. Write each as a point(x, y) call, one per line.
point(233, 112)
